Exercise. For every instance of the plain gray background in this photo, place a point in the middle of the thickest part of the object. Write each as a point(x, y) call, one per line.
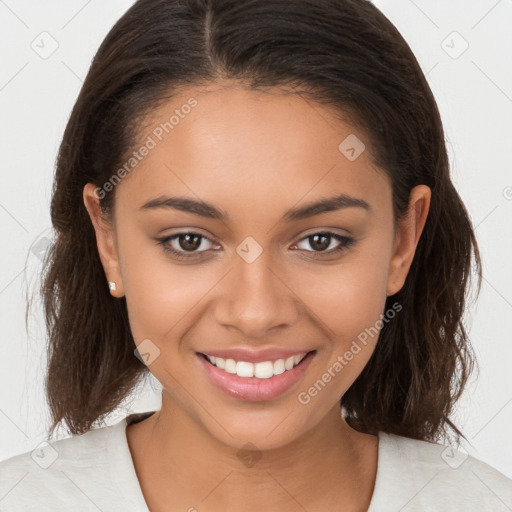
point(464, 47)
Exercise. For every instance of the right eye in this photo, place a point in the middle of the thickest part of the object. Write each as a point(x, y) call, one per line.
point(184, 245)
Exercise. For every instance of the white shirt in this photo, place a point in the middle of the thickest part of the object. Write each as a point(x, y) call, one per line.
point(95, 472)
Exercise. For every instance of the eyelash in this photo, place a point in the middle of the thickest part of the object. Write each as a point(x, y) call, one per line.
point(165, 243)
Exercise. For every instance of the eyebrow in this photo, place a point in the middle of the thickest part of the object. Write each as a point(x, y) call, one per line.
point(209, 211)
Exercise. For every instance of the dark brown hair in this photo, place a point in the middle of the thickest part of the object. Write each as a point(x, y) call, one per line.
point(341, 53)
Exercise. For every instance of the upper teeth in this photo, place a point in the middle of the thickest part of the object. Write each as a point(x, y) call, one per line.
point(263, 370)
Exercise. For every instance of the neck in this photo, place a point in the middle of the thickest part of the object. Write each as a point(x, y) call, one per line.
point(177, 461)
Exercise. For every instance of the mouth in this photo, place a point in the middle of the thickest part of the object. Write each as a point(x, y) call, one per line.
point(255, 382)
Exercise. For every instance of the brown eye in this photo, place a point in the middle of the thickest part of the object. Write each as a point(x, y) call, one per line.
point(324, 240)
point(185, 245)
point(189, 241)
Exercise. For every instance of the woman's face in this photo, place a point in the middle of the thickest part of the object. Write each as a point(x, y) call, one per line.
point(251, 275)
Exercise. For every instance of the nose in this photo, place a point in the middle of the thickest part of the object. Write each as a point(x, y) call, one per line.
point(255, 299)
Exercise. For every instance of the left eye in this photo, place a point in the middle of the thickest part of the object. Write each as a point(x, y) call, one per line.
point(321, 242)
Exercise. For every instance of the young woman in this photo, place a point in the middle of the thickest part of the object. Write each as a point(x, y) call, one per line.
point(253, 202)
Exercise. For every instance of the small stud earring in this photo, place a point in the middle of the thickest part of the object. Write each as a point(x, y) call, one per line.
point(112, 286)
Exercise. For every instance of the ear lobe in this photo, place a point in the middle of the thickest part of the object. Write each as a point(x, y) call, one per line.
point(105, 239)
point(407, 238)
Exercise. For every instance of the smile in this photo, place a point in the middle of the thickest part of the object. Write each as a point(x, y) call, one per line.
point(263, 370)
point(258, 381)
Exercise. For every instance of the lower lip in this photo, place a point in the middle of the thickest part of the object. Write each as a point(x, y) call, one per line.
point(253, 389)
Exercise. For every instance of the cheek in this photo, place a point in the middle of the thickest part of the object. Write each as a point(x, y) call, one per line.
point(159, 293)
point(347, 297)
point(350, 300)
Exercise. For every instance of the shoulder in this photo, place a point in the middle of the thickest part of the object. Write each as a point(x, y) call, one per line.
point(430, 476)
point(55, 474)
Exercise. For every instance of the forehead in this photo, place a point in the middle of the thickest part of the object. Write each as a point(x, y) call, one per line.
point(215, 142)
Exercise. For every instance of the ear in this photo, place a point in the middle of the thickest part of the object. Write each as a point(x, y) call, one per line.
point(407, 237)
point(105, 239)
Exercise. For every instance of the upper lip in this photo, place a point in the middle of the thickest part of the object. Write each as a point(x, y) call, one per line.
point(252, 356)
